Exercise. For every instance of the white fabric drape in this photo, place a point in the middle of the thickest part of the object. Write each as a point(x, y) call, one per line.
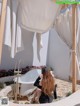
point(63, 26)
point(78, 34)
point(78, 43)
point(39, 44)
point(37, 16)
point(7, 39)
point(12, 29)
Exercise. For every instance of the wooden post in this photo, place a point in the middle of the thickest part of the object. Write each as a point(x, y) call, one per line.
point(2, 25)
point(17, 92)
point(74, 80)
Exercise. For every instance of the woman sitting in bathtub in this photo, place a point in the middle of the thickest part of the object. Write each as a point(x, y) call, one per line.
point(46, 87)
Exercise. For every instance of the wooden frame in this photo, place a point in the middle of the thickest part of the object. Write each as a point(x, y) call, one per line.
point(2, 25)
point(74, 6)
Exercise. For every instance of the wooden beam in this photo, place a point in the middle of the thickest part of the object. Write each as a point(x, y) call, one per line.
point(74, 80)
point(2, 25)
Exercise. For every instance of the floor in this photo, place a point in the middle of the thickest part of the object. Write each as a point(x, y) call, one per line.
point(64, 88)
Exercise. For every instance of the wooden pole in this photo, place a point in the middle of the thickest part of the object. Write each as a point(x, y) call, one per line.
point(17, 92)
point(74, 80)
point(2, 25)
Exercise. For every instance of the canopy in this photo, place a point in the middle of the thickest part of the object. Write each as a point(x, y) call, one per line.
point(37, 15)
point(21, 15)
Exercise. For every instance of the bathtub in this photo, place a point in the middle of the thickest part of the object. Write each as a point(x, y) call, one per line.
point(27, 80)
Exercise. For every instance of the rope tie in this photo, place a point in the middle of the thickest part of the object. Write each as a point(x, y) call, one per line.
point(73, 51)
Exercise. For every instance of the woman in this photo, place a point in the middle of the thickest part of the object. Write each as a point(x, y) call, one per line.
point(45, 87)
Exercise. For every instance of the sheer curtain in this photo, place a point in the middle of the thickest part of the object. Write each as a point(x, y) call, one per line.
point(63, 26)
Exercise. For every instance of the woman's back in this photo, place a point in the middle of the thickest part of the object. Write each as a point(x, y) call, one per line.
point(46, 82)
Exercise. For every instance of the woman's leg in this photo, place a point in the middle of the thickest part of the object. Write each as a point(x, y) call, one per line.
point(37, 94)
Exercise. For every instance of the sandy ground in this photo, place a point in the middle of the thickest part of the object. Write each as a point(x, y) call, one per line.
point(63, 87)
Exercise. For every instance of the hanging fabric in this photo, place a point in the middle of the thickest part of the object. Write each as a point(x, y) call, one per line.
point(78, 41)
point(39, 44)
point(13, 37)
point(63, 26)
point(7, 38)
point(37, 15)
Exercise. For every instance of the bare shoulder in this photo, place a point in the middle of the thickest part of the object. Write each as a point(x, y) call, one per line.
point(52, 73)
point(41, 76)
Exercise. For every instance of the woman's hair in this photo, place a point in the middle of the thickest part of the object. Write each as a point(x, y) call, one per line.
point(48, 81)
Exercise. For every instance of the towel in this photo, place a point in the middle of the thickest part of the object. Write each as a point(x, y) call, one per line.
point(13, 38)
point(39, 44)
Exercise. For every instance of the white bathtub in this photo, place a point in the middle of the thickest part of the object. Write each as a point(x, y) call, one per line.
point(27, 80)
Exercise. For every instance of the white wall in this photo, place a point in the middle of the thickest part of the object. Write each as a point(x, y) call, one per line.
point(58, 56)
point(27, 55)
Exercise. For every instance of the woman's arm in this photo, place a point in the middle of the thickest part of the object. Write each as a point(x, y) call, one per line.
point(55, 92)
point(36, 83)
